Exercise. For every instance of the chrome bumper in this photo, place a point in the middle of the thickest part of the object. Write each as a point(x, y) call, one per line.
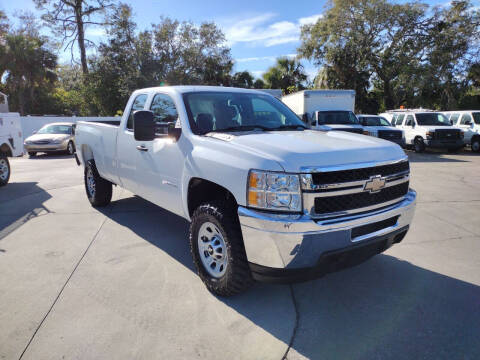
point(46, 147)
point(298, 241)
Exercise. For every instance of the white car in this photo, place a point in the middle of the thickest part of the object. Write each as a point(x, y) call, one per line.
point(267, 198)
point(428, 129)
point(469, 122)
point(378, 126)
point(11, 143)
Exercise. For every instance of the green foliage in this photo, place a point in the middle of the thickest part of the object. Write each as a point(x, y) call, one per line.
point(394, 54)
point(243, 80)
point(287, 74)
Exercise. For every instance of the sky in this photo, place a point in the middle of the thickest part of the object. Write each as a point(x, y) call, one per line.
point(258, 31)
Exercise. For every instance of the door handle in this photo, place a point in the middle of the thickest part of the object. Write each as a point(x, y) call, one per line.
point(142, 148)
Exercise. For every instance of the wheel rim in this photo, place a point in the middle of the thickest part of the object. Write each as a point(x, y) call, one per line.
point(3, 169)
point(476, 146)
point(90, 183)
point(212, 250)
point(70, 148)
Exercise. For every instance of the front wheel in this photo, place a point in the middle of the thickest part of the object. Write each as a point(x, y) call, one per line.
point(4, 170)
point(70, 148)
point(476, 145)
point(99, 190)
point(419, 145)
point(217, 249)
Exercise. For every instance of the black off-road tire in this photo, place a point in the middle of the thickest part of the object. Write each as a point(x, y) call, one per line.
point(32, 153)
point(102, 194)
point(237, 277)
point(418, 145)
point(4, 182)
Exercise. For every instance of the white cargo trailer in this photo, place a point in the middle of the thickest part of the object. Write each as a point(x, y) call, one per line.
point(325, 109)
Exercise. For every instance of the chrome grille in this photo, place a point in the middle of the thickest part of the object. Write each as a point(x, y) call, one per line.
point(339, 192)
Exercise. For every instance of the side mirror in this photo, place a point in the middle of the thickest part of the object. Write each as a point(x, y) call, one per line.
point(174, 132)
point(143, 125)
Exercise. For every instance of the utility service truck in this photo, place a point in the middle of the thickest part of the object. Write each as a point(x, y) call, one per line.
point(266, 197)
point(325, 109)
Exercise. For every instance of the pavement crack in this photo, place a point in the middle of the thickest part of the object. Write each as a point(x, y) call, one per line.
point(297, 318)
point(62, 288)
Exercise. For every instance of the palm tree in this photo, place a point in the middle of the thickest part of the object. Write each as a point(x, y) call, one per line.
point(287, 74)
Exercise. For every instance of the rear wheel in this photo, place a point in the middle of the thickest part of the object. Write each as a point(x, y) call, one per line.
point(217, 249)
point(99, 190)
point(4, 170)
point(32, 153)
point(419, 145)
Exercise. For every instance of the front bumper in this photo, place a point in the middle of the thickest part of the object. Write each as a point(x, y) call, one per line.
point(46, 148)
point(282, 244)
point(445, 144)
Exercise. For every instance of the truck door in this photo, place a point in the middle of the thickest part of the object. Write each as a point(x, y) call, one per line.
point(160, 164)
point(127, 154)
point(465, 124)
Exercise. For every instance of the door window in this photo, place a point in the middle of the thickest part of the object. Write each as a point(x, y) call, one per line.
point(465, 119)
point(409, 121)
point(164, 113)
point(138, 104)
point(454, 118)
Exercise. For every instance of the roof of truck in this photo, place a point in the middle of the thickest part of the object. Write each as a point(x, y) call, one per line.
point(194, 88)
point(325, 91)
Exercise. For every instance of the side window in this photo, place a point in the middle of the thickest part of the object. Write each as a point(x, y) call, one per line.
point(400, 119)
point(465, 118)
point(164, 113)
point(138, 104)
point(409, 120)
point(454, 118)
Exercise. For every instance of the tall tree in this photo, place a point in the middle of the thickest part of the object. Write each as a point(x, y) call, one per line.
point(242, 79)
point(70, 18)
point(287, 74)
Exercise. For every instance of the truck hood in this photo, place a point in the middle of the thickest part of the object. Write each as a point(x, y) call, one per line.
point(327, 127)
point(296, 149)
point(51, 137)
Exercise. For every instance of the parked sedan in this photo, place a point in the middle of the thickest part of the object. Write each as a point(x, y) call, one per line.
point(378, 126)
point(52, 138)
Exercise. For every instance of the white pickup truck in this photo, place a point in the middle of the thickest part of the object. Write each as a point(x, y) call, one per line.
point(267, 198)
point(11, 143)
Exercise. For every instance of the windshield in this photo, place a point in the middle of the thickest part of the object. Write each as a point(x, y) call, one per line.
point(235, 111)
point(432, 119)
point(337, 118)
point(56, 129)
point(374, 121)
point(476, 117)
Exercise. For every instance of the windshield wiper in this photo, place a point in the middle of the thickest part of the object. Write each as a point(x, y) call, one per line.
point(289, 127)
point(242, 128)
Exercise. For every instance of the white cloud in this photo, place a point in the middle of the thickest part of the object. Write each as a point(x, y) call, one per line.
point(263, 58)
point(260, 31)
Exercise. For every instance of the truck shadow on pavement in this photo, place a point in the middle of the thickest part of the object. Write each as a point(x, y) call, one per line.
point(432, 156)
point(386, 308)
point(20, 202)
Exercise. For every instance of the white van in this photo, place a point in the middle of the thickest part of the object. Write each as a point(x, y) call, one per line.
point(11, 142)
point(325, 109)
point(428, 129)
point(469, 122)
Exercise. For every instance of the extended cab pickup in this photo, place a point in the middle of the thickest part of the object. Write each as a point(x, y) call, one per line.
point(267, 198)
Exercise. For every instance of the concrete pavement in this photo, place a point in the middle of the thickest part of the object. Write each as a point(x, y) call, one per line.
point(77, 283)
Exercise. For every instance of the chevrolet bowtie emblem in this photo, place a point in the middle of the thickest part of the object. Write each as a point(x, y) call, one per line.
point(374, 184)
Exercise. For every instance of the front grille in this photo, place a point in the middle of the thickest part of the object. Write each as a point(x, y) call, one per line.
point(324, 205)
point(352, 130)
point(447, 134)
point(371, 228)
point(41, 142)
point(390, 134)
point(333, 177)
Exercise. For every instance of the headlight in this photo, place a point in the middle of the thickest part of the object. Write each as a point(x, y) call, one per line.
point(274, 191)
point(56, 141)
point(27, 142)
